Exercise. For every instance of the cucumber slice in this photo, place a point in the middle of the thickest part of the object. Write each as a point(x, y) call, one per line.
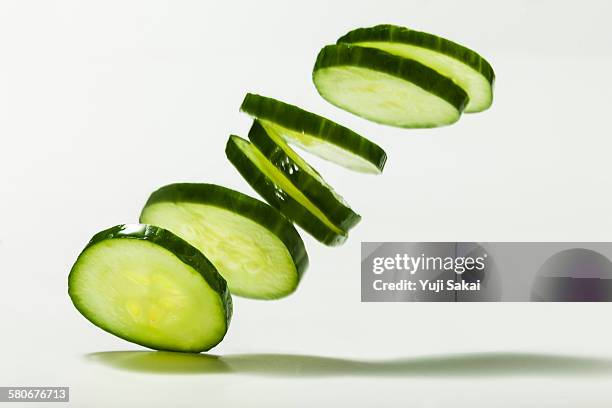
point(316, 134)
point(255, 248)
point(148, 286)
point(303, 177)
point(464, 66)
point(280, 193)
point(385, 88)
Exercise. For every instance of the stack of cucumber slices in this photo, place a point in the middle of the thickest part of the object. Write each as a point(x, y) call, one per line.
point(165, 283)
point(401, 77)
point(278, 173)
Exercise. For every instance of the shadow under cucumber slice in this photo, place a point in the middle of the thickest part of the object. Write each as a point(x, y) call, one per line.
point(280, 193)
point(385, 88)
point(146, 285)
point(256, 249)
point(316, 134)
point(303, 176)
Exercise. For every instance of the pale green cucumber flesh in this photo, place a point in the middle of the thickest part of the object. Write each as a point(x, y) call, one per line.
point(383, 98)
point(144, 293)
point(279, 179)
point(464, 66)
point(277, 134)
point(303, 176)
point(320, 147)
point(316, 134)
point(475, 84)
point(253, 261)
point(280, 135)
point(280, 192)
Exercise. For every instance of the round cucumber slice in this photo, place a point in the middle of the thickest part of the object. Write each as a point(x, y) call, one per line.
point(387, 89)
point(316, 134)
point(466, 67)
point(146, 285)
point(255, 248)
point(303, 177)
point(280, 193)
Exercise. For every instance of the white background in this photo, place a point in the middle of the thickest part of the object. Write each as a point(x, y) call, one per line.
point(102, 102)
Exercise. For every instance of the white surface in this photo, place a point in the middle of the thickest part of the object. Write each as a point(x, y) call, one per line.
point(101, 102)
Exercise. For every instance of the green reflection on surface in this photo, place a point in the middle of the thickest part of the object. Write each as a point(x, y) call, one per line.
point(288, 365)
